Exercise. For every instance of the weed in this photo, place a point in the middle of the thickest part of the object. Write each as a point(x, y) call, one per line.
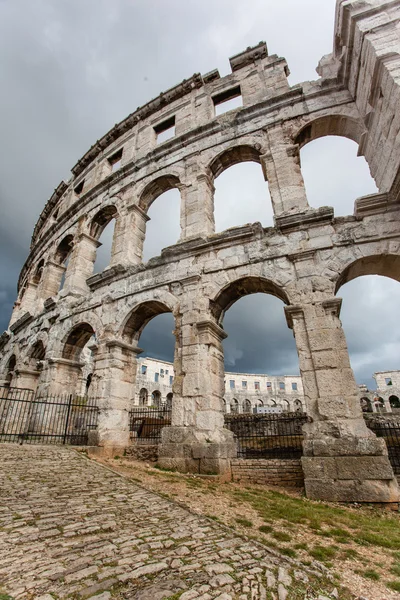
point(265, 528)
point(244, 522)
point(116, 457)
point(288, 552)
point(323, 553)
point(281, 536)
point(394, 585)
point(369, 574)
point(395, 570)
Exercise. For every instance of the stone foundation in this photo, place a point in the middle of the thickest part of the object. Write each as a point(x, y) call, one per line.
point(283, 473)
point(145, 453)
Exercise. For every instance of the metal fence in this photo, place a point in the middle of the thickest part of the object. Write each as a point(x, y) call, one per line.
point(146, 423)
point(25, 418)
point(390, 431)
point(268, 435)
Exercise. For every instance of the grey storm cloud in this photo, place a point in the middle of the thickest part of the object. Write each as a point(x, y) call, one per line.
point(70, 69)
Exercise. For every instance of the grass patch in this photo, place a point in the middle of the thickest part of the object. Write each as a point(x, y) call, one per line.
point(288, 552)
point(323, 553)
point(265, 528)
point(394, 585)
point(244, 522)
point(395, 569)
point(369, 574)
point(281, 536)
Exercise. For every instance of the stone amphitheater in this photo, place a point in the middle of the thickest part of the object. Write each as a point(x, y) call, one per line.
point(303, 260)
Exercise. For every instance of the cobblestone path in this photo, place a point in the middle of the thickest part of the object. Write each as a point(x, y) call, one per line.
point(70, 528)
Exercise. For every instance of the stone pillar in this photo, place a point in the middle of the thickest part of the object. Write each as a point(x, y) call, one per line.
point(80, 266)
point(51, 280)
point(343, 460)
point(62, 376)
point(26, 378)
point(281, 167)
point(28, 300)
point(197, 441)
point(113, 383)
point(197, 207)
point(129, 234)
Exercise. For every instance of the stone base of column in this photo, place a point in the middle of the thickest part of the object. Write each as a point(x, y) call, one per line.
point(187, 450)
point(349, 470)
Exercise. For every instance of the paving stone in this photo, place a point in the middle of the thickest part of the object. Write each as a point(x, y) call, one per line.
point(115, 540)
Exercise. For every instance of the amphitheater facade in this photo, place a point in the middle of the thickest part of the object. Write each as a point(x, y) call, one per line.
point(303, 260)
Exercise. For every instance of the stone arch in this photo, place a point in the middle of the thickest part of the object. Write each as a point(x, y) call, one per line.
point(169, 400)
point(155, 188)
point(340, 125)
point(101, 219)
point(386, 265)
point(241, 287)
point(232, 156)
point(156, 398)
point(64, 249)
point(38, 351)
point(366, 404)
point(143, 397)
point(138, 318)
point(37, 276)
point(394, 401)
point(76, 340)
point(234, 404)
point(9, 370)
point(298, 405)
point(247, 406)
point(286, 405)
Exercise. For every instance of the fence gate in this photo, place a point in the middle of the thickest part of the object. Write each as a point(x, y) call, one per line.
point(25, 418)
point(146, 423)
point(268, 435)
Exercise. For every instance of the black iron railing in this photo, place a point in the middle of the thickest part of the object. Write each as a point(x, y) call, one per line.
point(49, 419)
point(268, 435)
point(389, 430)
point(146, 423)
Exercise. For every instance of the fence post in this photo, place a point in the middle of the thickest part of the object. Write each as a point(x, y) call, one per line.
point(67, 421)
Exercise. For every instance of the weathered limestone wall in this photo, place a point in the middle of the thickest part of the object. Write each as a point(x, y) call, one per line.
point(303, 259)
point(279, 472)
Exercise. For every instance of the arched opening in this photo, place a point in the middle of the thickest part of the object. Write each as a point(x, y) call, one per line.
point(156, 398)
point(62, 256)
point(285, 405)
point(259, 342)
point(298, 405)
point(163, 228)
point(334, 175)
point(38, 351)
point(234, 406)
point(38, 272)
point(10, 368)
point(241, 191)
point(369, 314)
point(102, 229)
point(76, 340)
point(143, 397)
point(394, 401)
point(169, 400)
point(247, 406)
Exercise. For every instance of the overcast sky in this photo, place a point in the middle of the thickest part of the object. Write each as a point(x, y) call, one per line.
point(70, 69)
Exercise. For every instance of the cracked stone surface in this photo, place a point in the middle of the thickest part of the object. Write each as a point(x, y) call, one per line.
point(71, 528)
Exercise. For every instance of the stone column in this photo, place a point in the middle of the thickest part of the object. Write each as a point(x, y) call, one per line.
point(113, 383)
point(343, 460)
point(281, 167)
point(80, 266)
point(51, 280)
point(26, 378)
point(197, 441)
point(28, 300)
point(61, 377)
point(129, 234)
point(197, 207)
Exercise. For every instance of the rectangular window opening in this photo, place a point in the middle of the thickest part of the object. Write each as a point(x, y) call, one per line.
point(227, 100)
point(156, 375)
point(232, 384)
point(294, 387)
point(388, 381)
point(115, 160)
point(244, 384)
point(144, 369)
point(79, 188)
point(269, 385)
point(171, 379)
point(256, 385)
point(165, 130)
point(281, 385)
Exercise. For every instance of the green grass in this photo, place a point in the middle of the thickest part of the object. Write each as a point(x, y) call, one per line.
point(323, 553)
point(281, 536)
point(367, 527)
point(265, 528)
point(369, 574)
point(244, 522)
point(395, 569)
point(394, 585)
